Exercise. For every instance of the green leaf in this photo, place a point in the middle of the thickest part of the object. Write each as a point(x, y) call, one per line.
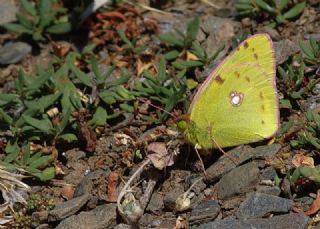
point(171, 55)
point(47, 174)
point(124, 38)
point(171, 40)
point(181, 64)
point(46, 13)
point(193, 29)
point(68, 137)
point(28, 7)
point(5, 118)
point(16, 28)
point(12, 150)
point(41, 162)
point(286, 126)
point(283, 4)
point(64, 122)
point(41, 104)
point(306, 49)
point(43, 125)
point(95, 69)
point(61, 28)
point(24, 21)
point(80, 74)
point(126, 107)
point(8, 98)
point(107, 97)
point(284, 103)
point(99, 118)
point(25, 153)
point(265, 6)
point(295, 11)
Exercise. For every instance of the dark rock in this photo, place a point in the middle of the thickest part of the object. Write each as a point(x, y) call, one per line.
point(266, 151)
point(271, 190)
point(268, 173)
point(8, 11)
point(259, 204)
point(68, 208)
point(284, 49)
point(13, 52)
point(155, 203)
point(167, 220)
point(43, 226)
point(197, 182)
point(238, 181)
point(171, 197)
point(241, 154)
point(205, 212)
point(122, 226)
point(40, 216)
point(292, 221)
point(102, 217)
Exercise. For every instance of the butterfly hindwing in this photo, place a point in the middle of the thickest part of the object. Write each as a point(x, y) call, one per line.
point(238, 104)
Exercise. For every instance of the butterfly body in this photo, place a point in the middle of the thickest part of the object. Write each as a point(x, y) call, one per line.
point(238, 102)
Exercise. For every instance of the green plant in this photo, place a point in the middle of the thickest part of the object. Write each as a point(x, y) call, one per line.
point(130, 45)
point(182, 39)
point(292, 78)
point(278, 11)
point(310, 133)
point(162, 88)
point(311, 51)
point(47, 17)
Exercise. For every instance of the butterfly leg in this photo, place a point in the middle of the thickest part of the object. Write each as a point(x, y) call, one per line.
point(196, 147)
point(233, 159)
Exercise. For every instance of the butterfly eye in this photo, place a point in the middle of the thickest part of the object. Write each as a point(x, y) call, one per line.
point(236, 98)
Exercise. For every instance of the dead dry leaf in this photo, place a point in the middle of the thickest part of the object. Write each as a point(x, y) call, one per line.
point(159, 155)
point(315, 206)
point(112, 187)
point(302, 160)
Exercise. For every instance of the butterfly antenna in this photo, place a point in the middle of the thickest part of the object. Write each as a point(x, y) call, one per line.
point(157, 107)
point(233, 159)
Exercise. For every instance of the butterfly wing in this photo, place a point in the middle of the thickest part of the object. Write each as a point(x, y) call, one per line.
point(238, 102)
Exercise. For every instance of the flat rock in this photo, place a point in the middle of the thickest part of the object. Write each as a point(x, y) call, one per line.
point(259, 204)
point(102, 217)
point(271, 190)
point(155, 203)
point(284, 49)
point(241, 154)
point(292, 221)
point(8, 11)
point(238, 181)
point(171, 197)
point(68, 208)
point(205, 212)
point(13, 52)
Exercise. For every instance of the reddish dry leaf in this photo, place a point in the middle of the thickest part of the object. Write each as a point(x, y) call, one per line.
point(67, 191)
point(302, 160)
point(159, 156)
point(87, 133)
point(315, 206)
point(112, 194)
point(61, 49)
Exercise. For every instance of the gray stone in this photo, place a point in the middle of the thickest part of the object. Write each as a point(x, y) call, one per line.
point(268, 173)
point(240, 154)
point(156, 202)
point(68, 208)
point(13, 52)
point(171, 197)
point(43, 226)
point(284, 49)
point(259, 204)
point(8, 11)
point(292, 221)
point(205, 212)
point(102, 217)
point(122, 226)
point(271, 190)
point(238, 181)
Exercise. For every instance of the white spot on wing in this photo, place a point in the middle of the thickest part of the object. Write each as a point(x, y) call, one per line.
point(236, 98)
